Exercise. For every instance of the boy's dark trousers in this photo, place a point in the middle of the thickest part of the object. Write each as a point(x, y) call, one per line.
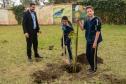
point(68, 45)
point(32, 40)
point(91, 54)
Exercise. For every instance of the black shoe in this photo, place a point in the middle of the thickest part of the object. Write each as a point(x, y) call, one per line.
point(38, 57)
point(91, 71)
point(30, 60)
point(62, 54)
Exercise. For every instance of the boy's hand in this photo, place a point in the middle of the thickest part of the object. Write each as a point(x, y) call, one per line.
point(94, 44)
point(80, 24)
point(82, 29)
point(67, 24)
point(26, 35)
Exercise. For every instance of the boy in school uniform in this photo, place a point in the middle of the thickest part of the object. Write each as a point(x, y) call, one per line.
point(66, 40)
point(92, 26)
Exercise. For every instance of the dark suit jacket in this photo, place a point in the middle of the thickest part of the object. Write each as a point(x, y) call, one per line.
point(28, 23)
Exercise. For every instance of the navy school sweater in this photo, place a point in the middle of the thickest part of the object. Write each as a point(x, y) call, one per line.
point(91, 27)
point(67, 29)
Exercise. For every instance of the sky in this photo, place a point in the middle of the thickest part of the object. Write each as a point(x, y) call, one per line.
point(16, 2)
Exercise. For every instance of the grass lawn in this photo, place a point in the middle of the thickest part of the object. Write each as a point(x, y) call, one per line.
point(15, 69)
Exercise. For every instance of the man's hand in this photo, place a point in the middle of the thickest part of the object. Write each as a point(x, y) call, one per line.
point(67, 24)
point(39, 33)
point(26, 35)
point(94, 45)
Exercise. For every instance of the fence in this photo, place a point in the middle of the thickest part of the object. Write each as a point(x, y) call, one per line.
point(7, 17)
point(50, 14)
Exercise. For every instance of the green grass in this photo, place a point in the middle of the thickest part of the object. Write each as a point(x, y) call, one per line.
point(14, 68)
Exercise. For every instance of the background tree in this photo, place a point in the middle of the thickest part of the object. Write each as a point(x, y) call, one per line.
point(110, 11)
point(6, 3)
point(26, 2)
point(18, 11)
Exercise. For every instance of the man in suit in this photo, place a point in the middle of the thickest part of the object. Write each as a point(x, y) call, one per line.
point(31, 30)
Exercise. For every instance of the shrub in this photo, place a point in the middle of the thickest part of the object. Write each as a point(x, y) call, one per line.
point(110, 11)
point(18, 11)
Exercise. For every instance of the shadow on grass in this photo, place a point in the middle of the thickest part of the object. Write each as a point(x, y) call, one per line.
point(83, 60)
